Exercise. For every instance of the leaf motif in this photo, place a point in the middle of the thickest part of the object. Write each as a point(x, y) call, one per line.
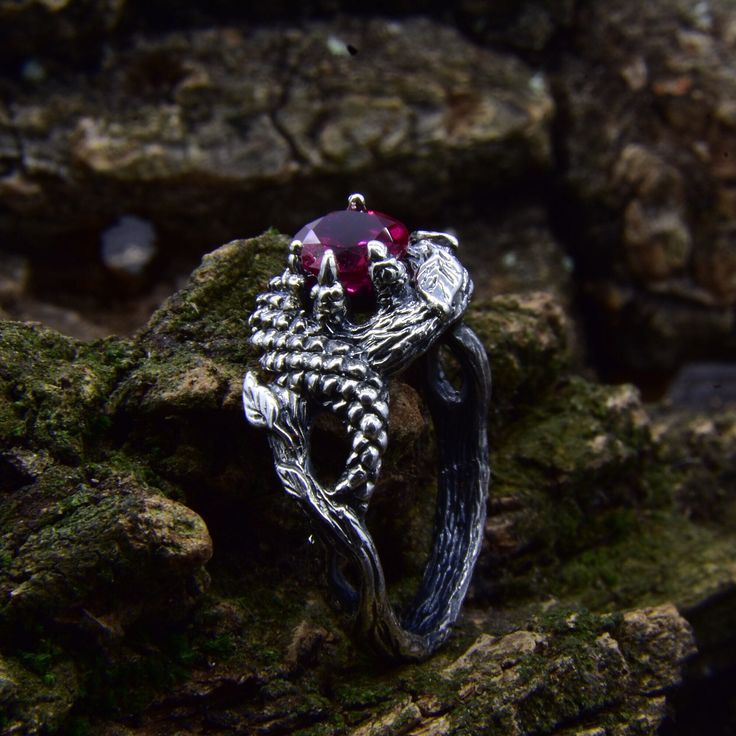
point(438, 280)
point(260, 403)
point(294, 480)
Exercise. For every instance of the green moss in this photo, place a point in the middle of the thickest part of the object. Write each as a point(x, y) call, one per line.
point(612, 538)
point(222, 646)
point(567, 675)
point(41, 658)
point(597, 506)
point(574, 465)
point(359, 693)
point(594, 519)
point(334, 725)
point(55, 389)
point(527, 343)
point(668, 558)
point(80, 726)
point(127, 685)
point(124, 680)
point(574, 433)
point(211, 311)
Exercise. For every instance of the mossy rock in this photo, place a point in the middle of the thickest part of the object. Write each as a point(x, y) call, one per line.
point(122, 461)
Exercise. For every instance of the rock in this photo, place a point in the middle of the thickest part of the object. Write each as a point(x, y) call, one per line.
point(129, 246)
point(567, 668)
point(585, 437)
point(87, 548)
point(205, 124)
point(36, 702)
point(51, 27)
point(516, 255)
point(529, 27)
point(657, 641)
point(13, 279)
point(48, 27)
point(703, 445)
point(601, 666)
point(420, 120)
point(67, 321)
point(55, 389)
point(89, 552)
point(528, 338)
point(122, 459)
point(651, 175)
point(18, 302)
point(69, 524)
point(704, 386)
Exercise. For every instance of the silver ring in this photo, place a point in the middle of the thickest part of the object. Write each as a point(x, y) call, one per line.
point(315, 359)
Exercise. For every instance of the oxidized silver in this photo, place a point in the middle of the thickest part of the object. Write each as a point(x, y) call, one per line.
point(316, 359)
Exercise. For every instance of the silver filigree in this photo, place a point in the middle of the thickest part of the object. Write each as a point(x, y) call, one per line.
point(317, 359)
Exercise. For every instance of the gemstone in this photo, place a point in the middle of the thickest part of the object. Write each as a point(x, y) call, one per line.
point(347, 233)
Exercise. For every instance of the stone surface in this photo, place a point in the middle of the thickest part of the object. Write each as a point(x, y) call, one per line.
point(50, 27)
point(563, 669)
point(17, 301)
point(32, 702)
point(578, 149)
point(651, 174)
point(13, 279)
point(36, 32)
point(294, 123)
point(609, 130)
point(516, 253)
point(114, 455)
point(87, 552)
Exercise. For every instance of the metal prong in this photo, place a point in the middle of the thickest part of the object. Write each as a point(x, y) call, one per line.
point(377, 251)
point(295, 256)
point(329, 297)
point(387, 273)
point(293, 280)
point(328, 269)
point(356, 202)
point(443, 238)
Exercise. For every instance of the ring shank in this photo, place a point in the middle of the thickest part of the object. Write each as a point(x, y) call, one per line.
point(460, 418)
point(460, 424)
point(316, 359)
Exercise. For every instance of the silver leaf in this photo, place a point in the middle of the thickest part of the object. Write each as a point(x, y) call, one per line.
point(259, 402)
point(438, 281)
point(294, 480)
point(439, 238)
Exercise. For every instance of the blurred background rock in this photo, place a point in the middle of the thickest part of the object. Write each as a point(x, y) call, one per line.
point(575, 148)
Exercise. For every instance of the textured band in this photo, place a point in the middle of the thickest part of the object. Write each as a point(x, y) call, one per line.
point(316, 359)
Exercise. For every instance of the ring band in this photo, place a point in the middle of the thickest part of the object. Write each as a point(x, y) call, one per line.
point(315, 359)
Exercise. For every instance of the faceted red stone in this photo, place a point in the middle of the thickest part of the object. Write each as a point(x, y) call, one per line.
point(346, 233)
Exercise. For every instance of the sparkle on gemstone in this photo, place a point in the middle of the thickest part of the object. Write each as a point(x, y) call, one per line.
point(347, 233)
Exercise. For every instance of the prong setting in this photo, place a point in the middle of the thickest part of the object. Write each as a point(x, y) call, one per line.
point(295, 256)
point(330, 307)
point(317, 360)
point(388, 274)
point(436, 237)
point(356, 202)
point(328, 269)
point(377, 251)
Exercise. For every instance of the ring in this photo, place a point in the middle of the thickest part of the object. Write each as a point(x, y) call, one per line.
point(316, 357)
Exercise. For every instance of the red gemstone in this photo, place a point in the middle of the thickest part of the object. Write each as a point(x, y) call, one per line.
point(347, 233)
